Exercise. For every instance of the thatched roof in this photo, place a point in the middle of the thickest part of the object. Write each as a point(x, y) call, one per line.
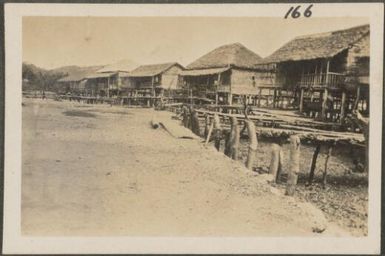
point(203, 72)
point(70, 79)
point(101, 75)
point(235, 55)
point(316, 46)
point(122, 65)
point(76, 74)
point(153, 69)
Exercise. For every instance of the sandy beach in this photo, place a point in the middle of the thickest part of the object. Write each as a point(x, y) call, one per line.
point(102, 170)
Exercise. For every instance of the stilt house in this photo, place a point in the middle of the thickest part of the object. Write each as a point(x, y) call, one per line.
point(153, 80)
point(75, 81)
point(109, 80)
point(223, 74)
point(328, 73)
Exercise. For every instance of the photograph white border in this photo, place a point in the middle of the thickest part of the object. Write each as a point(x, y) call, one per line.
point(14, 243)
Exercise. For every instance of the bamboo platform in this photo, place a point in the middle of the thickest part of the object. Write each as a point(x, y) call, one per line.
point(277, 125)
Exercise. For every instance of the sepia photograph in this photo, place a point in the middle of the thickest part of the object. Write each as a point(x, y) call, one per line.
point(198, 126)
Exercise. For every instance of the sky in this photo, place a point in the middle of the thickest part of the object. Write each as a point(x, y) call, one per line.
point(51, 42)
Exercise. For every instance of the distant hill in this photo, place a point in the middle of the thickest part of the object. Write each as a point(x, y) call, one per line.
point(76, 73)
point(36, 78)
point(125, 65)
point(70, 70)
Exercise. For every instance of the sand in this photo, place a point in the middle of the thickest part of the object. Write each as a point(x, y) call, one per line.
point(99, 170)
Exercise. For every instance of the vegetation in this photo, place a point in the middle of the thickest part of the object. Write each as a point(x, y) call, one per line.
point(35, 78)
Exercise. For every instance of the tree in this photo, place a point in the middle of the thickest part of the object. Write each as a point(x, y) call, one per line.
point(40, 79)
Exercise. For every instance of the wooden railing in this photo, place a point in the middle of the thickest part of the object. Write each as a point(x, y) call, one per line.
point(224, 88)
point(330, 80)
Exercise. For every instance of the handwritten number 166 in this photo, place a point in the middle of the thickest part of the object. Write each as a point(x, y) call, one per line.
point(296, 14)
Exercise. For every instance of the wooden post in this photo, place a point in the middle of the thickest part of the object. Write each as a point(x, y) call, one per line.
point(191, 97)
point(327, 73)
point(185, 117)
point(301, 100)
point(325, 94)
point(342, 113)
point(293, 164)
point(274, 96)
point(314, 163)
point(253, 144)
point(324, 104)
point(358, 95)
point(259, 97)
point(228, 141)
point(230, 98)
point(230, 138)
point(207, 125)
point(108, 87)
point(152, 92)
point(275, 159)
point(195, 123)
point(326, 165)
point(216, 89)
point(209, 133)
point(282, 98)
point(235, 138)
point(217, 132)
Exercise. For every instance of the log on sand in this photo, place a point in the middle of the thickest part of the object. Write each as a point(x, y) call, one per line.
point(154, 121)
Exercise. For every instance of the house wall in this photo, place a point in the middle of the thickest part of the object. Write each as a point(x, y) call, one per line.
point(275, 76)
point(143, 82)
point(358, 57)
point(169, 79)
point(200, 85)
point(243, 82)
point(266, 79)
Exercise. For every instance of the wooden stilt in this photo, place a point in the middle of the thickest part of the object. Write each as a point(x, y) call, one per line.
point(217, 132)
point(280, 165)
point(152, 91)
point(358, 95)
point(231, 138)
point(253, 144)
point(108, 87)
point(274, 97)
point(282, 99)
point(185, 117)
point(259, 97)
point(209, 133)
point(324, 104)
point(324, 177)
point(230, 98)
point(314, 163)
point(293, 164)
point(275, 159)
point(207, 125)
point(301, 101)
point(195, 123)
point(343, 102)
point(228, 142)
point(236, 137)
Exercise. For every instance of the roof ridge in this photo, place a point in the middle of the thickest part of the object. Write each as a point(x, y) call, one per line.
point(328, 33)
point(158, 64)
point(229, 54)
